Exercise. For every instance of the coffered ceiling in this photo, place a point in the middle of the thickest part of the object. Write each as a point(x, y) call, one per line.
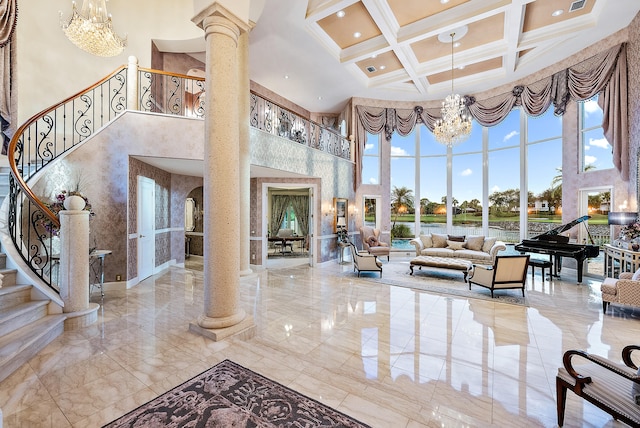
point(321, 55)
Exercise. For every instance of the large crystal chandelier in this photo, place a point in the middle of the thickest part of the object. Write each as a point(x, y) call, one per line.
point(455, 125)
point(90, 29)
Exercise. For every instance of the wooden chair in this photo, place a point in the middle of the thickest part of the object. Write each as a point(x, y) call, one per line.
point(506, 272)
point(607, 385)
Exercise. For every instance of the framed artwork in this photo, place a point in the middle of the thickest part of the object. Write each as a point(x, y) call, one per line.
point(340, 213)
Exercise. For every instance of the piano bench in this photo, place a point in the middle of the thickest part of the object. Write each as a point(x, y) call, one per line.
point(543, 264)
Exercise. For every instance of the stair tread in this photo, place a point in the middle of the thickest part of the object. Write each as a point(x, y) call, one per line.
point(13, 311)
point(14, 342)
point(8, 289)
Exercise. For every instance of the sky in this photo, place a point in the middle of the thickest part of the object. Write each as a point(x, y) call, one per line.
point(544, 156)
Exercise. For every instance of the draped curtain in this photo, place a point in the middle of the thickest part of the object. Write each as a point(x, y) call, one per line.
point(605, 73)
point(279, 205)
point(300, 205)
point(8, 21)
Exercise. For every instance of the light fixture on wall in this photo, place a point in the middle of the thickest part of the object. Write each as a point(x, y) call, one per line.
point(91, 30)
point(455, 125)
point(621, 218)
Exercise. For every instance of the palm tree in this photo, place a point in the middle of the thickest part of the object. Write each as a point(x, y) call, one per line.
point(401, 201)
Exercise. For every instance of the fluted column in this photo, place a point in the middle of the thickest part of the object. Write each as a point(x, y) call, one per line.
point(222, 315)
point(245, 160)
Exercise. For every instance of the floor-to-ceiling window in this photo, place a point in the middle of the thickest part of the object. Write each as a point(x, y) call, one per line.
point(403, 188)
point(371, 160)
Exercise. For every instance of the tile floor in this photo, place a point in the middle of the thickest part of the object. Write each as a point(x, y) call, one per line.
point(389, 356)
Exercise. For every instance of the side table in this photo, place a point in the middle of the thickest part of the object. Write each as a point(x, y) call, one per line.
point(342, 246)
point(96, 269)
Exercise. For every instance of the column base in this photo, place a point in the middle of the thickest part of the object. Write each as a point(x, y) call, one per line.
point(80, 319)
point(245, 329)
point(246, 272)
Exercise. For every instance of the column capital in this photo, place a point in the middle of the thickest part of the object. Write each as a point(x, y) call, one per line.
point(202, 19)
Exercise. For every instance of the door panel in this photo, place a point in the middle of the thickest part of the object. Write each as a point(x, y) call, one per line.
point(146, 227)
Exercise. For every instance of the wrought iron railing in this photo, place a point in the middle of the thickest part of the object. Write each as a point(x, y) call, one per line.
point(277, 120)
point(54, 131)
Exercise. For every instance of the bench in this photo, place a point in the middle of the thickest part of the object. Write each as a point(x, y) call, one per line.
point(542, 264)
point(441, 262)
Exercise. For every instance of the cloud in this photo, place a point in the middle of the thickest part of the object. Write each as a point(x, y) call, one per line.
point(495, 188)
point(509, 136)
point(398, 151)
point(373, 180)
point(590, 107)
point(599, 142)
point(466, 172)
point(590, 160)
point(368, 147)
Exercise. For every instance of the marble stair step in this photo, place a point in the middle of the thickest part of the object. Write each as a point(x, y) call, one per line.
point(17, 316)
point(19, 346)
point(9, 277)
point(11, 295)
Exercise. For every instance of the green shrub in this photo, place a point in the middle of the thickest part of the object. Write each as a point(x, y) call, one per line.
point(401, 231)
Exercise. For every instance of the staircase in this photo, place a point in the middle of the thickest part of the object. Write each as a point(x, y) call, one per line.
point(25, 325)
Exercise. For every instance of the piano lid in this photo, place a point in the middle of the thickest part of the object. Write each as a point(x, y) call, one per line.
point(552, 235)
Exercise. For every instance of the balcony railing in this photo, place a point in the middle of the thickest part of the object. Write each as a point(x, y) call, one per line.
point(56, 130)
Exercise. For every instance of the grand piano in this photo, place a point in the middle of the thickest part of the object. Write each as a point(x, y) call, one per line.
point(558, 246)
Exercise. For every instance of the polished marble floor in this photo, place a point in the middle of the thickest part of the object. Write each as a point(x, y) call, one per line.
point(389, 356)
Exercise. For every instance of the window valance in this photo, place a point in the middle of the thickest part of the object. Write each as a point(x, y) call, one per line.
point(605, 73)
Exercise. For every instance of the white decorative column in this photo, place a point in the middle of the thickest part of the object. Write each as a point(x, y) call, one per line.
point(133, 103)
point(222, 315)
point(245, 160)
point(74, 268)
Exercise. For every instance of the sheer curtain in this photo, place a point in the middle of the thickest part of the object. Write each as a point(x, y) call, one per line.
point(605, 73)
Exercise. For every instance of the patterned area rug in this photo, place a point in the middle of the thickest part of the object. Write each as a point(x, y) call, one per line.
point(437, 280)
point(229, 395)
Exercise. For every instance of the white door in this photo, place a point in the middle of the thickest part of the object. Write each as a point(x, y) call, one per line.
point(146, 227)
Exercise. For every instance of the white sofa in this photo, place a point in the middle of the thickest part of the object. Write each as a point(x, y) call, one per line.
point(475, 248)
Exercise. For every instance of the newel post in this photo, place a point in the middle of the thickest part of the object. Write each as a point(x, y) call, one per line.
point(132, 84)
point(74, 268)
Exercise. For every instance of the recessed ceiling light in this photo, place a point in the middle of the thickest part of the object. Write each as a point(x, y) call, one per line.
point(320, 97)
point(444, 1)
point(374, 56)
point(557, 12)
point(357, 34)
point(340, 14)
point(286, 76)
point(382, 67)
point(456, 45)
point(461, 67)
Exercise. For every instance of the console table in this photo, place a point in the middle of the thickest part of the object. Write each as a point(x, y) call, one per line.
point(618, 260)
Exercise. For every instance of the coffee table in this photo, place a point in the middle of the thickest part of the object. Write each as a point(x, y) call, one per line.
point(443, 263)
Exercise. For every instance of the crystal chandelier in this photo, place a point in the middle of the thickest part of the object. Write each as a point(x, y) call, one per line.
point(455, 125)
point(90, 29)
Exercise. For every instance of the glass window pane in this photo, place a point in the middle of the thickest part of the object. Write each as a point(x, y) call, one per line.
point(591, 113)
point(473, 144)
point(597, 151)
point(467, 194)
point(428, 144)
point(402, 198)
point(504, 194)
point(545, 186)
point(370, 170)
point(403, 146)
point(433, 189)
point(507, 132)
point(544, 126)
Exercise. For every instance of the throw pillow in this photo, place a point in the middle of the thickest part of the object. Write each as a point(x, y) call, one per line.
point(439, 240)
point(636, 276)
point(372, 241)
point(455, 245)
point(475, 243)
point(455, 238)
point(427, 242)
point(488, 243)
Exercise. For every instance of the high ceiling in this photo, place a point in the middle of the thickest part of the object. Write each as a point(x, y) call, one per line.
point(309, 54)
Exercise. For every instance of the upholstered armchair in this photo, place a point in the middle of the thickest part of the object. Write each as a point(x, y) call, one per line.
point(365, 262)
point(624, 291)
point(371, 242)
point(610, 386)
point(506, 272)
